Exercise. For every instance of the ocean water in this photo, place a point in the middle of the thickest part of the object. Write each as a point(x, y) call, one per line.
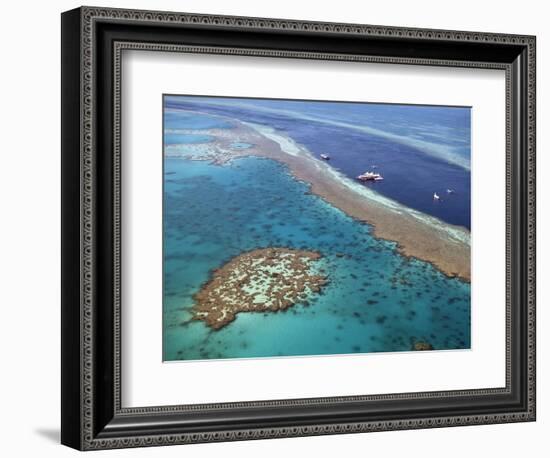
point(376, 301)
point(185, 139)
point(419, 150)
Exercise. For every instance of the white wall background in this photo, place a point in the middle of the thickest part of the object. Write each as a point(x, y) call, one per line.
point(30, 240)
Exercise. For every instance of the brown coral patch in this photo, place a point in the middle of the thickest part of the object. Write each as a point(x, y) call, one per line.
point(262, 280)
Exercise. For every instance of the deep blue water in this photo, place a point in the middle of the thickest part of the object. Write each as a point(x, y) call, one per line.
point(418, 149)
point(376, 300)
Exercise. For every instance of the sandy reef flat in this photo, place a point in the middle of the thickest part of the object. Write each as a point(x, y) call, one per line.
point(416, 234)
point(263, 280)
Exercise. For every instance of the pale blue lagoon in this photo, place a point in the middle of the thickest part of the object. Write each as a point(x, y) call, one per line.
point(184, 139)
point(376, 300)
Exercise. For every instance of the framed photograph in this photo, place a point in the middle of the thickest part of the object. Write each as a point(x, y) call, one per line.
point(276, 228)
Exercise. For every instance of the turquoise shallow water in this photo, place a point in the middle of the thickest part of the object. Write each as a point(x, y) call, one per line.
point(240, 145)
point(376, 300)
point(184, 139)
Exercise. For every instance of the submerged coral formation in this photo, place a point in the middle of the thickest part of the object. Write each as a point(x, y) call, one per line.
point(422, 346)
point(267, 279)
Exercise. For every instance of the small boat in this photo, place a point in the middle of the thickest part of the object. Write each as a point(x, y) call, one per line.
point(326, 157)
point(450, 191)
point(436, 196)
point(370, 176)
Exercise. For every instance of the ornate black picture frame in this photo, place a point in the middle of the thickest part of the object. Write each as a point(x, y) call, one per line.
point(92, 42)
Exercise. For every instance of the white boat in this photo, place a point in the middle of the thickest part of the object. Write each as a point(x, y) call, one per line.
point(436, 196)
point(450, 191)
point(326, 157)
point(370, 176)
